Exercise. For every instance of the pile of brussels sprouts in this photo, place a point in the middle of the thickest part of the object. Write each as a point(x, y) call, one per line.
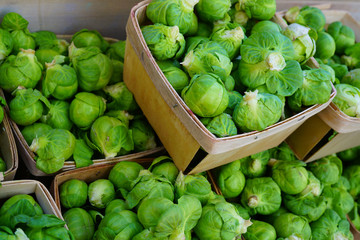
point(289, 199)
point(143, 204)
point(235, 69)
point(69, 99)
point(22, 218)
point(335, 47)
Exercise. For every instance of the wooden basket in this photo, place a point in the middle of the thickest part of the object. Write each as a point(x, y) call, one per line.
point(192, 147)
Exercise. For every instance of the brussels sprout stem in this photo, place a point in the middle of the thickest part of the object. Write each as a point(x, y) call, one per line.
point(236, 33)
point(253, 201)
point(188, 5)
point(50, 65)
point(292, 14)
point(256, 165)
point(275, 61)
point(251, 98)
point(37, 143)
point(28, 51)
point(272, 162)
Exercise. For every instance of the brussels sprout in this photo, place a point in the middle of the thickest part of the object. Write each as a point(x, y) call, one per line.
point(46, 56)
point(328, 169)
point(122, 115)
point(349, 154)
point(222, 126)
point(208, 57)
point(314, 186)
point(53, 149)
point(116, 205)
point(59, 81)
point(354, 216)
point(204, 30)
point(259, 9)
point(143, 135)
point(199, 95)
point(86, 38)
point(331, 226)
point(343, 35)
point(48, 41)
point(352, 57)
point(230, 179)
point(6, 44)
point(27, 106)
point(124, 225)
point(261, 196)
point(164, 166)
point(257, 111)
point(255, 165)
point(192, 43)
point(234, 98)
point(101, 192)
point(17, 26)
point(304, 44)
point(316, 89)
point(123, 174)
point(32, 131)
point(116, 51)
point(122, 98)
point(291, 176)
point(343, 183)
point(288, 224)
point(58, 115)
point(110, 135)
point(347, 99)
point(237, 15)
point(94, 69)
point(352, 78)
point(118, 70)
point(340, 70)
point(243, 212)
point(2, 165)
point(352, 173)
point(164, 42)
point(260, 230)
point(7, 234)
point(325, 46)
point(73, 193)
point(311, 17)
point(172, 13)
point(176, 77)
point(331, 71)
point(80, 223)
point(146, 186)
point(283, 152)
point(229, 37)
point(210, 11)
point(20, 70)
point(85, 108)
point(264, 26)
point(194, 185)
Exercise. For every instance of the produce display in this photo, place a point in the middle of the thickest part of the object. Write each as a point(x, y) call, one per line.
point(157, 202)
point(69, 100)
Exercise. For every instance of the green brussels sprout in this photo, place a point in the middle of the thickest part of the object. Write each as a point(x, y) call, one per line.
point(331, 71)
point(6, 44)
point(230, 179)
point(199, 95)
point(46, 56)
point(116, 205)
point(110, 135)
point(194, 185)
point(163, 41)
point(316, 89)
point(352, 78)
point(49, 41)
point(124, 225)
point(343, 183)
point(164, 166)
point(80, 223)
point(325, 46)
point(340, 70)
point(222, 126)
point(2, 165)
point(148, 185)
point(194, 24)
point(308, 16)
point(291, 176)
point(352, 56)
point(283, 152)
point(271, 218)
point(204, 30)
point(352, 173)
point(243, 212)
point(86, 38)
point(266, 25)
point(116, 51)
point(193, 42)
point(17, 26)
point(27, 106)
point(229, 37)
point(122, 98)
point(229, 83)
point(255, 165)
point(347, 99)
point(172, 13)
point(304, 44)
point(7, 234)
point(260, 10)
point(343, 35)
point(53, 149)
point(237, 15)
point(101, 192)
point(143, 135)
point(73, 193)
point(123, 174)
point(314, 186)
point(59, 81)
point(260, 230)
point(20, 70)
point(354, 216)
point(261, 196)
point(122, 115)
point(208, 57)
point(215, 220)
point(257, 111)
point(328, 169)
point(331, 226)
point(349, 154)
point(210, 11)
point(118, 71)
point(85, 108)
point(34, 130)
point(234, 98)
point(58, 115)
point(289, 225)
point(94, 69)
point(176, 77)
